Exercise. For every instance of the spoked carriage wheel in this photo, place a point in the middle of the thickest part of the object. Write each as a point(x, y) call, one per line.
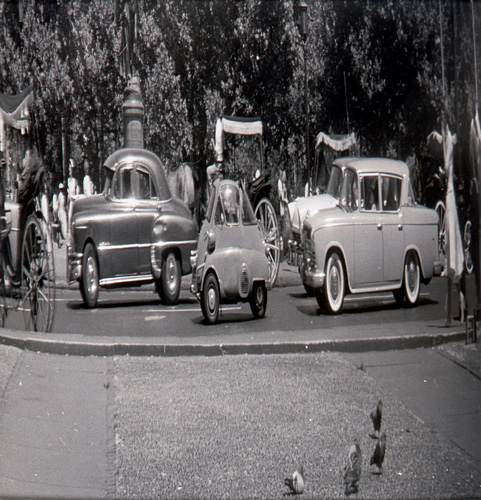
point(441, 211)
point(266, 215)
point(38, 278)
point(468, 259)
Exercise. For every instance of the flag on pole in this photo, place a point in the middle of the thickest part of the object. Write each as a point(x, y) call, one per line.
point(454, 241)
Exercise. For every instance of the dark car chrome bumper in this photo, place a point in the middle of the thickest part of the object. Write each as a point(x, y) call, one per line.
point(74, 265)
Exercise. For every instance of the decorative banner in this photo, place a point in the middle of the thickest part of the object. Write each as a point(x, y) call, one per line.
point(337, 142)
point(15, 113)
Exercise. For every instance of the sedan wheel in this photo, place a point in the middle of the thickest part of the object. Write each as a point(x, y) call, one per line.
point(331, 297)
point(210, 299)
point(258, 300)
point(89, 284)
point(412, 278)
point(171, 279)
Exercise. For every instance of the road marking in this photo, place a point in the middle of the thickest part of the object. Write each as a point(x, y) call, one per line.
point(154, 318)
point(233, 308)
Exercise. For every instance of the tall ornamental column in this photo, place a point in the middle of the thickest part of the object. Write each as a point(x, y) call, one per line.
point(133, 110)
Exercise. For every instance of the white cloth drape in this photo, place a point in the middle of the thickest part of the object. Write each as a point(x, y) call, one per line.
point(454, 241)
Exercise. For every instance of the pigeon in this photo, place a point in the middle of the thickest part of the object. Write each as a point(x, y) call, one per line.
point(378, 456)
point(296, 482)
point(376, 417)
point(352, 470)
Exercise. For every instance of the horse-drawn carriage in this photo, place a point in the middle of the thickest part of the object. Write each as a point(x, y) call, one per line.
point(259, 182)
point(27, 277)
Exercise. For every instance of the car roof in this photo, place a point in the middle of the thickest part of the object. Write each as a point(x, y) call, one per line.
point(145, 157)
point(379, 165)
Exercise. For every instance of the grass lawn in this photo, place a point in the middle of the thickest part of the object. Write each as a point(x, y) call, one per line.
point(236, 426)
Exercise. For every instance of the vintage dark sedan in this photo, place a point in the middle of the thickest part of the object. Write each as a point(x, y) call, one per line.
point(133, 233)
point(377, 238)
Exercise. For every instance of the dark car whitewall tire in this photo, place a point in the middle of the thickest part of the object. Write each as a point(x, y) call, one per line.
point(89, 284)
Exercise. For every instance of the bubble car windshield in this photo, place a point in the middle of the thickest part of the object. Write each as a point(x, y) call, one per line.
point(230, 199)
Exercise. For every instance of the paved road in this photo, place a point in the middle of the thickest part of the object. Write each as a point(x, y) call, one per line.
point(54, 428)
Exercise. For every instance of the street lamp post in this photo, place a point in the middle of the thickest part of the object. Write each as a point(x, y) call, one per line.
point(303, 9)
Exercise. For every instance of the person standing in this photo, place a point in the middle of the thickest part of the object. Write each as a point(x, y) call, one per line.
point(73, 189)
point(88, 185)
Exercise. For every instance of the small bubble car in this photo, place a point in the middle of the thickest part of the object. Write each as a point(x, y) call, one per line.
point(230, 264)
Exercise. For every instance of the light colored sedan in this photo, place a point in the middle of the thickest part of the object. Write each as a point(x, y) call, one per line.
point(230, 264)
point(376, 239)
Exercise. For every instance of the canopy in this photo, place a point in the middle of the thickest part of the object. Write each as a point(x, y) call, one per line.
point(234, 125)
point(242, 126)
point(14, 112)
point(337, 142)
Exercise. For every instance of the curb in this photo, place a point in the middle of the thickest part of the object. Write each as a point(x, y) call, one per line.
point(104, 348)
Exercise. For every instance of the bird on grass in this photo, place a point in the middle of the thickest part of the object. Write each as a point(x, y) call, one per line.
point(379, 452)
point(296, 482)
point(352, 469)
point(376, 417)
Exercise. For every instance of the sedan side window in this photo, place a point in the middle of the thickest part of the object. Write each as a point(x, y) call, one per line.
point(123, 183)
point(370, 193)
point(147, 189)
point(391, 193)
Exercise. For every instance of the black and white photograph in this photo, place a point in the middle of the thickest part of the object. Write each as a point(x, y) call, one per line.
point(240, 249)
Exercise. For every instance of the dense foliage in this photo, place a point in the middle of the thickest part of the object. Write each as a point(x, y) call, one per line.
point(373, 67)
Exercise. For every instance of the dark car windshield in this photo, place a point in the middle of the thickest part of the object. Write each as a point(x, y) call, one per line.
point(335, 182)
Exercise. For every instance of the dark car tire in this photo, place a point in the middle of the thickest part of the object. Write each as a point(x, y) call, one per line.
point(210, 299)
point(168, 287)
point(89, 283)
point(258, 300)
point(331, 297)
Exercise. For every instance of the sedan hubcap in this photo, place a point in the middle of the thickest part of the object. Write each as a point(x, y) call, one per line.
point(334, 283)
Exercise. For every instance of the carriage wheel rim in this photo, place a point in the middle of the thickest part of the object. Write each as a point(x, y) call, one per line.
point(37, 278)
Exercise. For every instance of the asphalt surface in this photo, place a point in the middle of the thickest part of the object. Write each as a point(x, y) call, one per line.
point(57, 412)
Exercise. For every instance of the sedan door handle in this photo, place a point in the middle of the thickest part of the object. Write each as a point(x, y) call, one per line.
point(379, 226)
point(400, 227)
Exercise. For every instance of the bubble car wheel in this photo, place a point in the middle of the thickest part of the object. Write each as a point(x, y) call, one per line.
point(210, 299)
point(258, 300)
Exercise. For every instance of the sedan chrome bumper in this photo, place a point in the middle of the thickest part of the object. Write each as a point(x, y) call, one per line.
point(311, 276)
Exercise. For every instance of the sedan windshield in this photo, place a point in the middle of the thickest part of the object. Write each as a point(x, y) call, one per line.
point(349, 191)
point(335, 182)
